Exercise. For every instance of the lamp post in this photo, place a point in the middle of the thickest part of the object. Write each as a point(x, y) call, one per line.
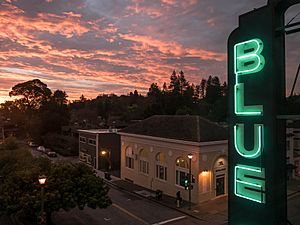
point(190, 156)
point(106, 154)
point(42, 181)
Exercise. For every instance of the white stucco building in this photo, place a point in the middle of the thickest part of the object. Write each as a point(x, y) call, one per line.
point(154, 155)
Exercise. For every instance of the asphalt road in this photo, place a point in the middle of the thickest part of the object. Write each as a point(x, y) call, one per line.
point(127, 209)
point(294, 209)
point(130, 209)
point(36, 153)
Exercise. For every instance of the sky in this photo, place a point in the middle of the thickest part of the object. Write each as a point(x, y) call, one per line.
point(93, 47)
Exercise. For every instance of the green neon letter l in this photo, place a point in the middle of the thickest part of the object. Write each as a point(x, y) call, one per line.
point(240, 108)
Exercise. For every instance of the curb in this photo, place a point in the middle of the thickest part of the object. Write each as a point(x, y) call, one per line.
point(112, 185)
point(294, 194)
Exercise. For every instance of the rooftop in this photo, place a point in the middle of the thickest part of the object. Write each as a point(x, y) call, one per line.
point(98, 131)
point(186, 128)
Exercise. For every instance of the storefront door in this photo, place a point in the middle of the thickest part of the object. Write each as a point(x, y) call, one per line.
point(220, 185)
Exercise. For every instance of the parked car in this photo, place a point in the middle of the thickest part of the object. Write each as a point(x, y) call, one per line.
point(52, 154)
point(48, 150)
point(41, 149)
point(32, 144)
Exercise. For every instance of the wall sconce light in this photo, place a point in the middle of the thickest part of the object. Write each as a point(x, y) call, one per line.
point(205, 171)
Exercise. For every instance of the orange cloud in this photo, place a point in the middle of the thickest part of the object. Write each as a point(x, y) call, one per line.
point(173, 48)
point(134, 61)
point(148, 10)
point(169, 2)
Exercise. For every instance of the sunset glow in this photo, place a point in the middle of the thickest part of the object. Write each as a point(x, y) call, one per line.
point(93, 47)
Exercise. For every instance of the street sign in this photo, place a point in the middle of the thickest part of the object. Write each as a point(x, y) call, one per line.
point(256, 78)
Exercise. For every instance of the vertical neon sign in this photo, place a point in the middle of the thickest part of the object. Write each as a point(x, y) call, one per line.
point(249, 181)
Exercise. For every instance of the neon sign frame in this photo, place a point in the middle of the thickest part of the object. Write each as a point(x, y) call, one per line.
point(248, 54)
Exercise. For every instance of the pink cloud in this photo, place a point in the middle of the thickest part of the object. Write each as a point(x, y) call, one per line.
point(173, 48)
point(169, 2)
point(151, 11)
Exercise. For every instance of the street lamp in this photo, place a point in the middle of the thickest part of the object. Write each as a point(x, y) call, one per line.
point(103, 152)
point(42, 181)
point(190, 156)
point(106, 154)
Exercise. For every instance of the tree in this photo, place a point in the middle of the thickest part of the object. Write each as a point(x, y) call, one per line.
point(68, 186)
point(82, 98)
point(154, 90)
point(174, 83)
point(60, 97)
point(224, 89)
point(202, 88)
point(213, 90)
point(183, 83)
point(54, 114)
point(75, 185)
point(197, 93)
point(34, 93)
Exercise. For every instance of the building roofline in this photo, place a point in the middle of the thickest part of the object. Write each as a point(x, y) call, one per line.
point(207, 143)
point(99, 131)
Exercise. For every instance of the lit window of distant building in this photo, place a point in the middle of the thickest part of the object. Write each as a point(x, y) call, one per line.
point(182, 171)
point(82, 140)
point(161, 166)
point(144, 163)
point(129, 158)
point(92, 142)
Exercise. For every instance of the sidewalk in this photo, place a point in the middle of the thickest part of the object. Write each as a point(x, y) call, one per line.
point(214, 211)
point(293, 188)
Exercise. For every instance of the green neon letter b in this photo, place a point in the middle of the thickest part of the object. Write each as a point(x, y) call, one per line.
point(247, 57)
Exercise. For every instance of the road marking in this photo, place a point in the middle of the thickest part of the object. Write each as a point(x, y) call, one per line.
point(170, 220)
point(130, 214)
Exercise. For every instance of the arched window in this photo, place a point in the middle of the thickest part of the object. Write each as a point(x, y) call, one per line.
point(161, 166)
point(182, 171)
point(129, 158)
point(144, 162)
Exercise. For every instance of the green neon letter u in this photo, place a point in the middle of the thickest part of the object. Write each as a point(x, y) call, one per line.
point(239, 144)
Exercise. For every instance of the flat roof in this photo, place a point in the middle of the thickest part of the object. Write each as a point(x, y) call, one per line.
point(98, 131)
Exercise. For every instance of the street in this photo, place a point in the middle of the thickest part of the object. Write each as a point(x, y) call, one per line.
point(131, 209)
point(36, 153)
point(294, 209)
point(127, 209)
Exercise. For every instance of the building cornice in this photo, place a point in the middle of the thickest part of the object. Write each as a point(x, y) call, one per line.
point(168, 140)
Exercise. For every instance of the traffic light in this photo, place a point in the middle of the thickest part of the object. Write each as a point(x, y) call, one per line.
point(193, 179)
point(186, 182)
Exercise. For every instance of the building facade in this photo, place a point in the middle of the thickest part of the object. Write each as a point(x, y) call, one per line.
point(154, 154)
point(100, 149)
point(293, 149)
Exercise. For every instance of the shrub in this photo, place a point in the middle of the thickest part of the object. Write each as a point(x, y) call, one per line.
point(63, 145)
point(10, 143)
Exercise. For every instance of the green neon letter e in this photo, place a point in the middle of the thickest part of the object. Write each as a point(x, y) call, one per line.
point(250, 183)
